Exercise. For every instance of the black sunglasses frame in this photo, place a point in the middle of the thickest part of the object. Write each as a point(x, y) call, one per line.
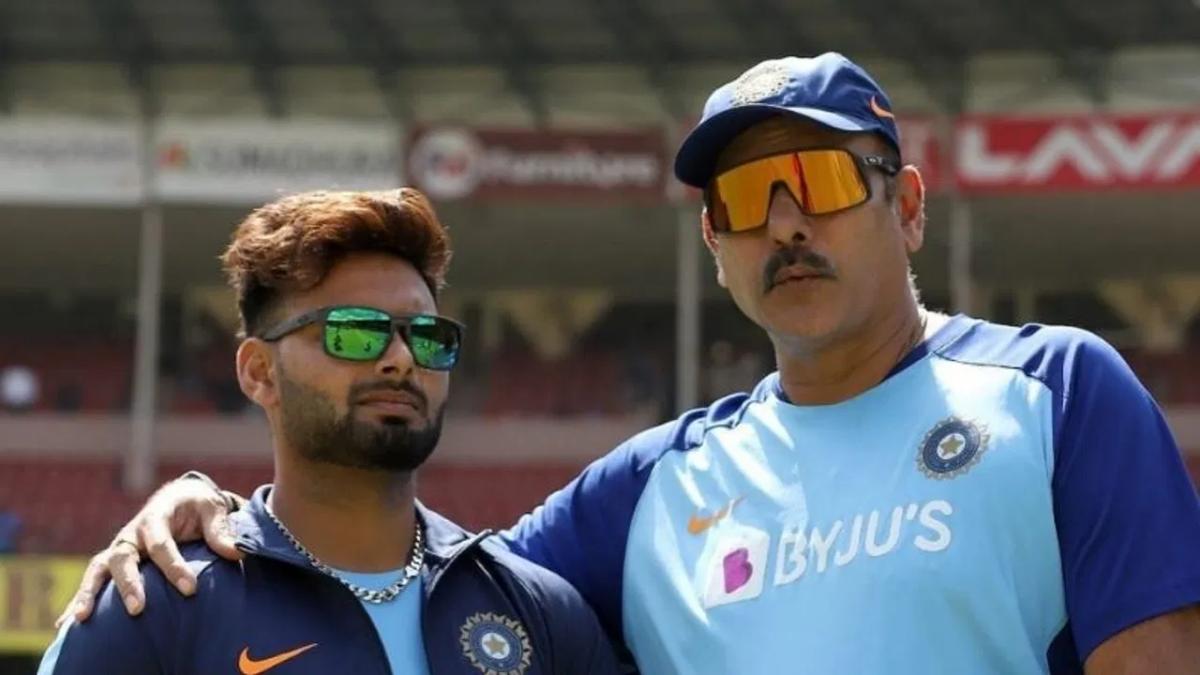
point(862, 163)
point(401, 325)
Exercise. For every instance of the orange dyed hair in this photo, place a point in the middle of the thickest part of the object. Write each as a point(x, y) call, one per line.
point(291, 244)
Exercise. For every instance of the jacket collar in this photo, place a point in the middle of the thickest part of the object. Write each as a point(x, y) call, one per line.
point(257, 534)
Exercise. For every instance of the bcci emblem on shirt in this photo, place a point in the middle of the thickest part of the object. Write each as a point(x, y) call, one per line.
point(952, 448)
point(496, 644)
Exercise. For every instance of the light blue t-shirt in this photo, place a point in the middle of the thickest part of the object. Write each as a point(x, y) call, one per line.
point(1003, 502)
point(398, 622)
point(50, 657)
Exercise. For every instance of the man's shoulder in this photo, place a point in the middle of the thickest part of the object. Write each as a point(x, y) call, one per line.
point(1052, 354)
point(203, 561)
point(567, 625)
point(545, 588)
point(624, 471)
point(214, 576)
point(581, 531)
point(141, 643)
point(687, 431)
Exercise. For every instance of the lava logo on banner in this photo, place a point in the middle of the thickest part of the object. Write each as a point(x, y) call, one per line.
point(1078, 153)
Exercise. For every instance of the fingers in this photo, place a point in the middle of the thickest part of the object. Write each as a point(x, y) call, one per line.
point(123, 565)
point(151, 531)
point(94, 576)
point(218, 534)
point(179, 512)
point(190, 508)
point(156, 538)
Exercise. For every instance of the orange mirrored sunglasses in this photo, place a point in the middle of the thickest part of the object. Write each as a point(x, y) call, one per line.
point(822, 181)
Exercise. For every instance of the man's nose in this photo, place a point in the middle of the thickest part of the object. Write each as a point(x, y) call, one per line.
point(397, 361)
point(786, 223)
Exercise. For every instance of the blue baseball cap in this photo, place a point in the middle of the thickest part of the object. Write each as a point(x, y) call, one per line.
point(829, 89)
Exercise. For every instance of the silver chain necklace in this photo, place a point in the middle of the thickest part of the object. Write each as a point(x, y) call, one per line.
point(416, 561)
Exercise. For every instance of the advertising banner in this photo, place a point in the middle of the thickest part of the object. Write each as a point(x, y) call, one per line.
point(33, 592)
point(69, 162)
point(453, 163)
point(1078, 153)
point(65, 161)
point(253, 162)
point(921, 147)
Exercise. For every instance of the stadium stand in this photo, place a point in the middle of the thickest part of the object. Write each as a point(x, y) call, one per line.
point(1068, 196)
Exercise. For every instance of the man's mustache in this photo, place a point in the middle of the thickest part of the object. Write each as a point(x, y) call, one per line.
point(359, 391)
point(796, 255)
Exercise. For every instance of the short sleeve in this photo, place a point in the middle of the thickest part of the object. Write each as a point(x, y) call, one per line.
point(1127, 512)
point(581, 532)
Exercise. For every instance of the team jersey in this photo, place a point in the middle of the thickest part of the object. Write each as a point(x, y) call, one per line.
point(1003, 502)
point(476, 609)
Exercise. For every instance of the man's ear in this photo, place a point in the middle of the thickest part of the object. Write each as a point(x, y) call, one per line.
point(910, 203)
point(713, 244)
point(256, 372)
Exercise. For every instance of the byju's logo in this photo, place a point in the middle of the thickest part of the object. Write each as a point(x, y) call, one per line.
point(737, 567)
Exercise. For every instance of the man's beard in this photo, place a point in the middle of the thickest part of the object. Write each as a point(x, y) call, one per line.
point(312, 426)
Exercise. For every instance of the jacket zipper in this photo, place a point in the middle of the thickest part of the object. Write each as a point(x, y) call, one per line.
point(380, 649)
point(428, 599)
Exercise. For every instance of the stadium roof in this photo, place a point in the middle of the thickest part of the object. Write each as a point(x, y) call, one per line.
point(934, 38)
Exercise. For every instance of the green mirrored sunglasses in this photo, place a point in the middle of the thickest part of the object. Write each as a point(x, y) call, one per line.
point(354, 333)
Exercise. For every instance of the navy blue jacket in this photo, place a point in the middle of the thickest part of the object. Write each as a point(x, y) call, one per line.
point(274, 602)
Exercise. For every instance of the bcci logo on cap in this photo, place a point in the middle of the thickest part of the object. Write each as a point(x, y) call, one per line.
point(496, 644)
point(766, 80)
point(952, 448)
point(446, 163)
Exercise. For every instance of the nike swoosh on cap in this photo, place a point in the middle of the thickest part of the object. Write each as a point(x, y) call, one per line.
point(879, 110)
